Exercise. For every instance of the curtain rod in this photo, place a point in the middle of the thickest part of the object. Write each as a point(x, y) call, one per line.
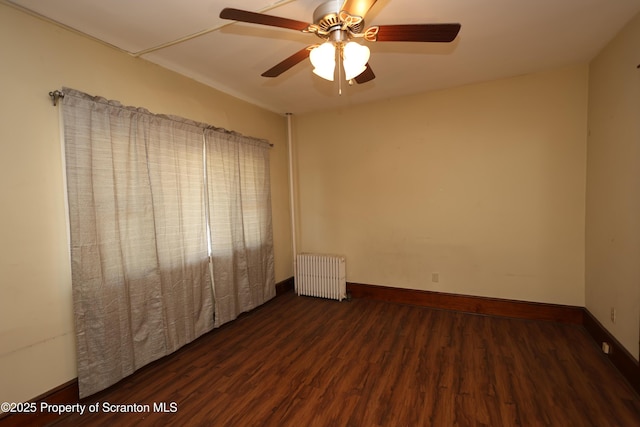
point(56, 95)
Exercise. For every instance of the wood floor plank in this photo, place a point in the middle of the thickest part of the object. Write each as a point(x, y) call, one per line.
point(301, 361)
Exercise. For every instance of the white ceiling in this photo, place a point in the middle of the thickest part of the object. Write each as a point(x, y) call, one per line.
point(499, 38)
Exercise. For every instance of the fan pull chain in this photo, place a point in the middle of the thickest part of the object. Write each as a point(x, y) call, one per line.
point(339, 69)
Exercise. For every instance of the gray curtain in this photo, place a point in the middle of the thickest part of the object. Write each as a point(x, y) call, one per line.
point(240, 223)
point(138, 205)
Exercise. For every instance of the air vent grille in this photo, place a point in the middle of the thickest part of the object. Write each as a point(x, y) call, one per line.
point(328, 22)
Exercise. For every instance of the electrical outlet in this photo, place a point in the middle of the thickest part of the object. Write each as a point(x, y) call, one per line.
point(435, 277)
point(613, 315)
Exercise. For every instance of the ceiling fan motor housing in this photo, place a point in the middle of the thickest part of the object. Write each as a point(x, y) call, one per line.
point(327, 17)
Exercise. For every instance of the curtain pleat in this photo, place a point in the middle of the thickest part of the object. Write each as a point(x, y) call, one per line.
point(240, 224)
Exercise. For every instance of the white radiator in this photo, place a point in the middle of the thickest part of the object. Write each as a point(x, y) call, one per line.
point(321, 276)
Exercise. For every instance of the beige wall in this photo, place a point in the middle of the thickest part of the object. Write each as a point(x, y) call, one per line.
point(482, 184)
point(613, 187)
point(37, 348)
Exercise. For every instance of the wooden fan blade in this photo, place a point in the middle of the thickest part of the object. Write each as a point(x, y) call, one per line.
point(357, 7)
point(365, 76)
point(262, 19)
point(418, 33)
point(283, 66)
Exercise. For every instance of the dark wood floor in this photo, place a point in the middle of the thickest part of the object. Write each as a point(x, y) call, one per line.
point(301, 361)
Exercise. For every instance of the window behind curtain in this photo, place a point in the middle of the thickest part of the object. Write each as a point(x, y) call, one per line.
point(138, 199)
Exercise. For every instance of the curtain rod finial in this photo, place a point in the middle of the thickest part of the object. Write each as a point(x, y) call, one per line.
point(55, 96)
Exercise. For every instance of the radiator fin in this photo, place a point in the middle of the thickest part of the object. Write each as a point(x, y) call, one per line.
point(320, 275)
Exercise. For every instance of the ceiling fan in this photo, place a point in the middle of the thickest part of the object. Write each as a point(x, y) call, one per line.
point(338, 23)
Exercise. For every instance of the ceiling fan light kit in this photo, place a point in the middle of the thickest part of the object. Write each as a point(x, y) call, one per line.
point(323, 59)
point(355, 57)
point(338, 22)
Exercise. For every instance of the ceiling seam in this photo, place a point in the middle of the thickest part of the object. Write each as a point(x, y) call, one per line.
point(141, 52)
point(203, 32)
